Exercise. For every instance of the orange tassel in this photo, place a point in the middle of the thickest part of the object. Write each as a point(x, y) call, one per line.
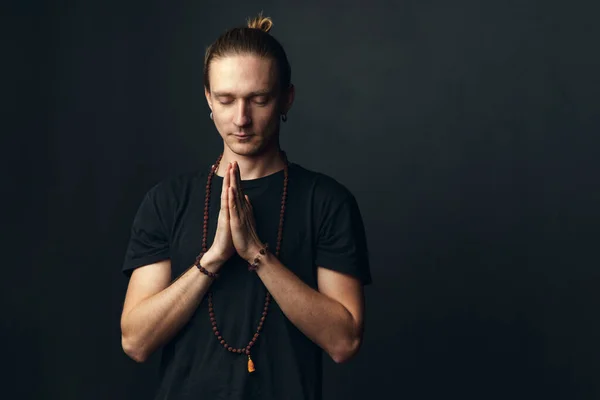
point(250, 365)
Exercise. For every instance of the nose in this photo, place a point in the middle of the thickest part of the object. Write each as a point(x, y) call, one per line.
point(242, 114)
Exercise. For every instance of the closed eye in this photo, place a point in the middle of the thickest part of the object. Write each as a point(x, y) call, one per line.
point(261, 100)
point(225, 101)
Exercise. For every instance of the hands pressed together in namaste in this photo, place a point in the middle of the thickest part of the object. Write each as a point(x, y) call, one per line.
point(236, 227)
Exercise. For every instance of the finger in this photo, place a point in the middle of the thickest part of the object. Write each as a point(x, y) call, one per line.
point(233, 207)
point(250, 209)
point(226, 176)
point(240, 203)
point(238, 176)
point(231, 176)
point(241, 190)
point(226, 213)
point(236, 182)
point(224, 190)
point(250, 212)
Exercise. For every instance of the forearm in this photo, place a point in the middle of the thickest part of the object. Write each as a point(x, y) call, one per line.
point(323, 320)
point(155, 320)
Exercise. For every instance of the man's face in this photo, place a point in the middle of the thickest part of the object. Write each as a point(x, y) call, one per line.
point(245, 101)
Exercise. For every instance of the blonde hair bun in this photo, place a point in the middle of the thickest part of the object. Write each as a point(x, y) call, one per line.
point(259, 22)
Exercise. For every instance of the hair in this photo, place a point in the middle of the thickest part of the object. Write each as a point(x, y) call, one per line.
point(251, 39)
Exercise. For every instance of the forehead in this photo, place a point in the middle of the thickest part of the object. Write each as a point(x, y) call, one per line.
point(242, 73)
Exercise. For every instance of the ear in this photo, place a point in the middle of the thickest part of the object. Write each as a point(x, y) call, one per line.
point(288, 99)
point(208, 98)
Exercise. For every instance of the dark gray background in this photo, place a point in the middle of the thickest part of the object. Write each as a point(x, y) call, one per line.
point(467, 130)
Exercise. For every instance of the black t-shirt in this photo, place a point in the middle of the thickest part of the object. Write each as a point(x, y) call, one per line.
point(322, 227)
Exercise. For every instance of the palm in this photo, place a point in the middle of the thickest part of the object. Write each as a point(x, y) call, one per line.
point(223, 238)
point(241, 217)
point(223, 242)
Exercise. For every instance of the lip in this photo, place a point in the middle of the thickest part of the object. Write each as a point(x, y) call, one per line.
point(242, 136)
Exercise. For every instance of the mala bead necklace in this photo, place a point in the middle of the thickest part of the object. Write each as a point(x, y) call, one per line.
point(251, 266)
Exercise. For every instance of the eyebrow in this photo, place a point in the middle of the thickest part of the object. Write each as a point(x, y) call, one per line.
point(251, 94)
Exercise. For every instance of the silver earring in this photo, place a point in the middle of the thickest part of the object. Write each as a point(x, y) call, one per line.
point(211, 117)
point(284, 117)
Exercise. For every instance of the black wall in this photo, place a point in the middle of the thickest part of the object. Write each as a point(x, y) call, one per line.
point(467, 130)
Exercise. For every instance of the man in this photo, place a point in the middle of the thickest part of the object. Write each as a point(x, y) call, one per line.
point(270, 258)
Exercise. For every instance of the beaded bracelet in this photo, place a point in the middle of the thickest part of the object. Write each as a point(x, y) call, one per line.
point(254, 265)
point(202, 269)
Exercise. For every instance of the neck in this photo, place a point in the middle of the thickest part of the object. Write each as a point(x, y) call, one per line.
point(253, 167)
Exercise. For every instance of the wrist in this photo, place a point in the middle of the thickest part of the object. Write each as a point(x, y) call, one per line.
point(211, 262)
point(256, 256)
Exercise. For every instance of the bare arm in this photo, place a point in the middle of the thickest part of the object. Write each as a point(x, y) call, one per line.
point(156, 309)
point(331, 317)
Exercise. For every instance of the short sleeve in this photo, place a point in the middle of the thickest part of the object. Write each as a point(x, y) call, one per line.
point(149, 238)
point(341, 243)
